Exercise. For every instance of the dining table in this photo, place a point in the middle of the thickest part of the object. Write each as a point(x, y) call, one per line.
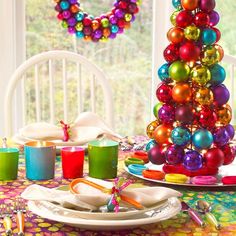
point(223, 202)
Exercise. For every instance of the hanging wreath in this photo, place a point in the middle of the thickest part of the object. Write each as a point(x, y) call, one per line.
point(101, 28)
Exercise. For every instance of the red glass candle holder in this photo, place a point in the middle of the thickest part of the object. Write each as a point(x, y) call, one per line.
point(72, 162)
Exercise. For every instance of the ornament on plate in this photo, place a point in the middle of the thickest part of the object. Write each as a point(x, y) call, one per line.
point(193, 160)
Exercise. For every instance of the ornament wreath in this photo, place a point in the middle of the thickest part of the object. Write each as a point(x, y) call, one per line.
point(96, 29)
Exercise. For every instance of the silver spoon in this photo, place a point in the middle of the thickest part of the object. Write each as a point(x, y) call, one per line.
point(205, 208)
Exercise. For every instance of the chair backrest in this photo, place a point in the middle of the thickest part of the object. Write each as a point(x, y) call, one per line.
point(55, 79)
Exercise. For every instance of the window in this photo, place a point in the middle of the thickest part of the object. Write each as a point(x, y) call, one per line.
point(127, 60)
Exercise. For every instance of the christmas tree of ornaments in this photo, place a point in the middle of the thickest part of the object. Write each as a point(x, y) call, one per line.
point(192, 132)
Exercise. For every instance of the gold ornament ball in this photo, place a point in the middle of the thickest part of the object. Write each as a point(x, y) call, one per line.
point(79, 26)
point(151, 128)
point(200, 75)
point(203, 96)
point(210, 56)
point(192, 32)
point(224, 116)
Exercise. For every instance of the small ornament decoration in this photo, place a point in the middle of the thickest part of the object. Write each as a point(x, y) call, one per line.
point(191, 133)
point(119, 185)
point(97, 29)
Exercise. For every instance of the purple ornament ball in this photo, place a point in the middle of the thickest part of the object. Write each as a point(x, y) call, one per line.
point(66, 14)
point(214, 18)
point(207, 5)
point(174, 155)
point(156, 155)
point(112, 36)
point(71, 30)
point(166, 114)
point(119, 13)
point(221, 137)
point(221, 94)
point(193, 160)
point(230, 130)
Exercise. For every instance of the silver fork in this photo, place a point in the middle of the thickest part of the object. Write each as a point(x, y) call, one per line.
point(20, 210)
point(6, 215)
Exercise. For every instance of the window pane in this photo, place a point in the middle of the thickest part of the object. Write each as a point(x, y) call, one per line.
point(126, 60)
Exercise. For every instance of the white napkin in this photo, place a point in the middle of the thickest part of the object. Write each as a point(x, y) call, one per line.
point(88, 126)
point(91, 198)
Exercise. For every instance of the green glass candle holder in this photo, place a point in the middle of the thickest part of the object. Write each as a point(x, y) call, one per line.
point(9, 158)
point(103, 159)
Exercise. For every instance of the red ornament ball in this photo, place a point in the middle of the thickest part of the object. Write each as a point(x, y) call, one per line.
point(214, 158)
point(207, 118)
point(164, 93)
point(171, 53)
point(156, 155)
point(189, 52)
point(184, 114)
point(201, 19)
point(87, 21)
point(229, 153)
point(218, 34)
point(184, 18)
point(207, 5)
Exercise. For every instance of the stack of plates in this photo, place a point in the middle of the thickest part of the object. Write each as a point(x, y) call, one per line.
point(105, 220)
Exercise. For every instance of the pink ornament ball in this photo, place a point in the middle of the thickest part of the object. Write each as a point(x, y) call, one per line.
point(156, 155)
point(207, 5)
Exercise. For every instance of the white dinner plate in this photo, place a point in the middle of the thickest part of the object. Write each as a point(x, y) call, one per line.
point(107, 215)
point(223, 171)
point(48, 211)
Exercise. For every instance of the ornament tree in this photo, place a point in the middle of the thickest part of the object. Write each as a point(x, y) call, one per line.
point(192, 130)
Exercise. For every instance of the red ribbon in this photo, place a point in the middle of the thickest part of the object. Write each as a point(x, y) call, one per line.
point(66, 129)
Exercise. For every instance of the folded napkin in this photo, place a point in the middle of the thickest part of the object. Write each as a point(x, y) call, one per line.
point(88, 126)
point(91, 199)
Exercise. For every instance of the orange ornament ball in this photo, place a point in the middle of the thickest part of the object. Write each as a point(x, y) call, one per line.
point(189, 4)
point(162, 134)
point(182, 92)
point(175, 35)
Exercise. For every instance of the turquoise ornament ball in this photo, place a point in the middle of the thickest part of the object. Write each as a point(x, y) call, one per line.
point(209, 36)
point(176, 4)
point(218, 75)
point(180, 136)
point(152, 143)
point(202, 139)
point(114, 29)
point(163, 72)
point(79, 34)
point(79, 16)
point(64, 5)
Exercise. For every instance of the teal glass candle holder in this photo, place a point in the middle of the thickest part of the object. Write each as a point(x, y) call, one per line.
point(40, 159)
point(9, 158)
point(103, 159)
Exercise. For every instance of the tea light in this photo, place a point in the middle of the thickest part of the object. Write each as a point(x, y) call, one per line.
point(103, 159)
point(40, 160)
point(9, 163)
point(72, 162)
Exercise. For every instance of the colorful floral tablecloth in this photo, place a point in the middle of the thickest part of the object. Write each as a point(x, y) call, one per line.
point(224, 207)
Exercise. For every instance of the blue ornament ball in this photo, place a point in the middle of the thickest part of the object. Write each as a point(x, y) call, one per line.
point(193, 160)
point(202, 139)
point(218, 75)
point(176, 4)
point(180, 136)
point(64, 5)
point(152, 143)
point(163, 72)
point(209, 36)
point(114, 29)
point(79, 34)
point(79, 16)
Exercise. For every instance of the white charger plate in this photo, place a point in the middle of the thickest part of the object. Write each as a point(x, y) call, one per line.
point(224, 171)
point(48, 211)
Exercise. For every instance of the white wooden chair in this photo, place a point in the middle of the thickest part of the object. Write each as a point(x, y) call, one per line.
point(40, 96)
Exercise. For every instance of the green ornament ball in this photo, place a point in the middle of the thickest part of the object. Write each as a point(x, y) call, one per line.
point(179, 71)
